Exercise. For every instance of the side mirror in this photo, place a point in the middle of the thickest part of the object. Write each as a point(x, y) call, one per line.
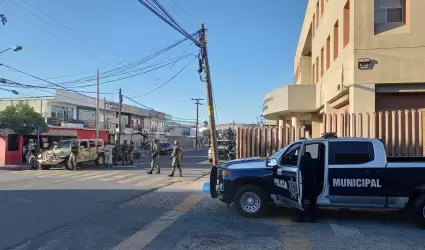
point(271, 162)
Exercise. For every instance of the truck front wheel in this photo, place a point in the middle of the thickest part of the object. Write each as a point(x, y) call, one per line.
point(251, 201)
point(419, 209)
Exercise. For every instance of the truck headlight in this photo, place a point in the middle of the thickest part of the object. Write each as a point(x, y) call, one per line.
point(226, 172)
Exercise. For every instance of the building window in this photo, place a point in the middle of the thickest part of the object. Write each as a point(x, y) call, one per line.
point(346, 23)
point(328, 52)
point(322, 65)
point(314, 24)
point(336, 34)
point(12, 142)
point(389, 11)
point(322, 8)
point(62, 112)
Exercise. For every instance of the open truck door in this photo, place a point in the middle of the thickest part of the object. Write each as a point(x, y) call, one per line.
point(287, 177)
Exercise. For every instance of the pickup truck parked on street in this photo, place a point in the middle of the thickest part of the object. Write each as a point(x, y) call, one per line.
point(90, 150)
point(354, 173)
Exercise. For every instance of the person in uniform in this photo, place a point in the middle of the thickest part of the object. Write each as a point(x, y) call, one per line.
point(124, 150)
point(115, 154)
point(72, 161)
point(32, 157)
point(311, 188)
point(55, 145)
point(155, 157)
point(108, 150)
point(176, 156)
point(130, 153)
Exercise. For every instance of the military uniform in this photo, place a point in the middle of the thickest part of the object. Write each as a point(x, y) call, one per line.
point(124, 150)
point(155, 157)
point(176, 157)
point(130, 152)
point(72, 160)
point(115, 155)
point(32, 157)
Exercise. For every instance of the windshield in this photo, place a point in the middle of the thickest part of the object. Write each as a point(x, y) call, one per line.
point(279, 153)
point(65, 144)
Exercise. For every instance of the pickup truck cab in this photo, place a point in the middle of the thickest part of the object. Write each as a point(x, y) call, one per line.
point(351, 173)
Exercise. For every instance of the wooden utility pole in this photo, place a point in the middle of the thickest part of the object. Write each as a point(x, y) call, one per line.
point(197, 102)
point(210, 102)
point(119, 119)
point(97, 107)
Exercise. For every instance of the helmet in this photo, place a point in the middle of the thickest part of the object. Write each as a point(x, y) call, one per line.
point(176, 142)
point(30, 140)
point(108, 143)
point(155, 140)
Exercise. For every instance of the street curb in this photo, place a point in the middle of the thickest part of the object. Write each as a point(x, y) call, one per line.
point(13, 168)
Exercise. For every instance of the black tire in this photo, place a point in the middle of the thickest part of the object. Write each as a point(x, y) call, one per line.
point(261, 202)
point(100, 160)
point(44, 167)
point(419, 210)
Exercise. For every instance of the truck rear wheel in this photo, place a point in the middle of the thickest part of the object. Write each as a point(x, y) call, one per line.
point(419, 210)
point(100, 160)
point(251, 201)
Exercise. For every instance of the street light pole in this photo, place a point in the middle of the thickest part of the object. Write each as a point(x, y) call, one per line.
point(14, 48)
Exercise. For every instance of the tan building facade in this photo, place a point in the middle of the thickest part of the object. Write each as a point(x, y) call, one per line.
point(355, 56)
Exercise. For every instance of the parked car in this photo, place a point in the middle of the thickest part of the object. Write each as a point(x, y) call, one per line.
point(87, 153)
point(165, 148)
point(355, 173)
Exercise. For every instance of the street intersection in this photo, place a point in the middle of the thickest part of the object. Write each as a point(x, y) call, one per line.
point(124, 208)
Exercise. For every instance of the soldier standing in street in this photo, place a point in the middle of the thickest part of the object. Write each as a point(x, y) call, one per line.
point(72, 161)
point(130, 153)
point(115, 154)
point(176, 157)
point(155, 157)
point(124, 150)
point(108, 154)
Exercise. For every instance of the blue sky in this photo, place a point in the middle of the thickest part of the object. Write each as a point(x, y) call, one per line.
point(249, 44)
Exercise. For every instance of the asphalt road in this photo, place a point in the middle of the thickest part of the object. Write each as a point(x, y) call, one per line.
point(111, 212)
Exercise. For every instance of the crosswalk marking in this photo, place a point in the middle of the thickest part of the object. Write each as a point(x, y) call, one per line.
point(96, 176)
point(85, 174)
point(121, 176)
point(206, 162)
point(135, 178)
point(150, 180)
point(141, 239)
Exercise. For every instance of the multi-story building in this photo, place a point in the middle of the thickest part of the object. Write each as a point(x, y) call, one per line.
point(68, 109)
point(354, 56)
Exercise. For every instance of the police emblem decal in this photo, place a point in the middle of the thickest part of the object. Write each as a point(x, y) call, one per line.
point(293, 189)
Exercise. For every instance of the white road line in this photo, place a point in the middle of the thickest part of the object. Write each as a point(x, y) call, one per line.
point(113, 178)
point(142, 238)
point(150, 181)
point(97, 176)
point(135, 178)
point(206, 162)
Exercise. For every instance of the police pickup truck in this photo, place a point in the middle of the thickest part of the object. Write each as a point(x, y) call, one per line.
point(352, 173)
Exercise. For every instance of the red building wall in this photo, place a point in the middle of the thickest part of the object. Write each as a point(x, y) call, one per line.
point(10, 157)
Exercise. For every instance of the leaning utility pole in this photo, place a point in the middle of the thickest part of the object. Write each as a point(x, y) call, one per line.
point(197, 118)
point(97, 107)
point(119, 119)
point(210, 101)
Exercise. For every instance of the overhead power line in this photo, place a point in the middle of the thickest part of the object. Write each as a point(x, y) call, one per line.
point(170, 21)
point(169, 80)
